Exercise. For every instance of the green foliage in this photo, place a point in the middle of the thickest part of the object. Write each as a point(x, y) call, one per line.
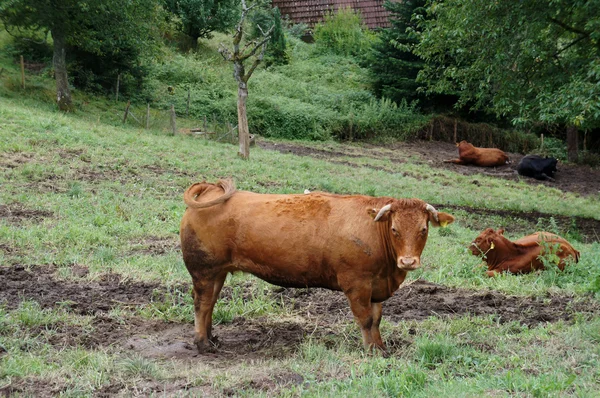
point(527, 60)
point(199, 18)
point(343, 33)
point(104, 38)
point(393, 67)
point(33, 47)
point(277, 50)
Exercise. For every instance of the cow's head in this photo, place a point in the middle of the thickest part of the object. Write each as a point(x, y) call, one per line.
point(550, 166)
point(408, 222)
point(485, 241)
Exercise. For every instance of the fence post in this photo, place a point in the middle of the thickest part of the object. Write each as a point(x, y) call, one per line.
point(455, 128)
point(118, 83)
point(22, 73)
point(148, 117)
point(173, 121)
point(126, 111)
point(187, 108)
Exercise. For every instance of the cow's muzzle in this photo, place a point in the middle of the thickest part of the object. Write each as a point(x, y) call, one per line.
point(409, 263)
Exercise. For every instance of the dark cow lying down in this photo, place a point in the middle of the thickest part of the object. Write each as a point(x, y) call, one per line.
point(537, 167)
point(485, 157)
point(522, 255)
point(361, 245)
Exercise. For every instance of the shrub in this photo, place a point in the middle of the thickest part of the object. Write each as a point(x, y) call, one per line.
point(343, 33)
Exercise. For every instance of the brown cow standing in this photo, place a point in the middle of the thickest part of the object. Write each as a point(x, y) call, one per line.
point(485, 157)
point(522, 255)
point(361, 245)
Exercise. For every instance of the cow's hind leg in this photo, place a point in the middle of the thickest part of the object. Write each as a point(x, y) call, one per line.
point(204, 300)
point(218, 285)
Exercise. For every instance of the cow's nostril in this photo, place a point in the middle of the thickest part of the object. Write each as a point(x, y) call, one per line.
point(407, 261)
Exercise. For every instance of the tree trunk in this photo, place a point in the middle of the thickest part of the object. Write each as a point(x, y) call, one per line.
point(63, 94)
point(243, 122)
point(572, 143)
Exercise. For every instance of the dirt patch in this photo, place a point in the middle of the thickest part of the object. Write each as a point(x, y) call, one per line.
point(315, 312)
point(85, 298)
point(156, 245)
point(420, 300)
point(569, 178)
point(14, 160)
point(16, 213)
point(587, 228)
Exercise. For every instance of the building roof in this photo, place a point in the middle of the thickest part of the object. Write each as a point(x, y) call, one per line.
point(311, 12)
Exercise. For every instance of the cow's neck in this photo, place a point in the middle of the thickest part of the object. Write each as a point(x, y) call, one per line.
point(388, 248)
point(503, 250)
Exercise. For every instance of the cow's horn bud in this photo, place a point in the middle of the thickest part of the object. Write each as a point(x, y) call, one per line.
point(382, 212)
point(433, 212)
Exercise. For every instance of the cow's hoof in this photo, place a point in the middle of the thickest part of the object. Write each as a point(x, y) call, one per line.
point(205, 346)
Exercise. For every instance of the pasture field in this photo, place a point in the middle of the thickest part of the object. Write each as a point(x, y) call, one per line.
point(95, 299)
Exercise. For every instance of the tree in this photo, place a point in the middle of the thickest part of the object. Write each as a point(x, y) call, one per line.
point(78, 23)
point(238, 57)
point(529, 60)
point(198, 18)
point(392, 65)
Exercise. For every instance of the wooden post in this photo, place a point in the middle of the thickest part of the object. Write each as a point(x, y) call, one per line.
point(187, 108)
point(455, 129)
point(22, 73)
point(572, 143)
point(542, 142)
point(148, 117)
point(173, 121)
point(584, 141)
point(431, 131)
point(230, 128)
point(126, 111)
point(205, 128)
point(118, 83)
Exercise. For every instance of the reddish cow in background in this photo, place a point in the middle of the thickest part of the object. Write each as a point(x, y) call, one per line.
point(361, 245)
point(485, 157)
point(523, 255)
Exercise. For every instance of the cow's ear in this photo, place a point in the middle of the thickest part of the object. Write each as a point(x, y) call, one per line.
point(380, 214)
point(443, 219)
point(500, 231)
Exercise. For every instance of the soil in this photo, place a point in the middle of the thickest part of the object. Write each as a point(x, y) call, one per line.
point(582, 180)
point(316, 313)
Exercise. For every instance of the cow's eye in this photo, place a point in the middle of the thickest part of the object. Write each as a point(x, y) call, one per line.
point(424, 231)
point(394, 231)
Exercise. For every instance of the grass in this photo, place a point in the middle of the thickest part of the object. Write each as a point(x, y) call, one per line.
point(108, 196)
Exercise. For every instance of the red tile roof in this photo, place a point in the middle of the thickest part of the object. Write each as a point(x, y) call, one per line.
point(312, 11)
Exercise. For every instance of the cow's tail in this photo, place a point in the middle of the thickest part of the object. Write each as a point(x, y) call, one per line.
point(196, 190)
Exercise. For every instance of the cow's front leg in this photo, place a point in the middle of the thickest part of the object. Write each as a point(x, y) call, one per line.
point(360, 304)
point(376, 311)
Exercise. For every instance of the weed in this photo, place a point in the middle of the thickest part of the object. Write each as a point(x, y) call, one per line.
point(74, 189)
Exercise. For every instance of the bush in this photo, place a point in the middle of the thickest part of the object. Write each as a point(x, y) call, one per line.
point(343, 33)
point(33, 48)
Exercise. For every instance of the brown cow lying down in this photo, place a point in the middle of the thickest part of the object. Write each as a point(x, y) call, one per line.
point(522, 255)
point(361, 245)
point(486, 157)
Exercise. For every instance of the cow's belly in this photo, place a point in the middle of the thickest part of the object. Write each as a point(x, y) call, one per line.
point(299, 274)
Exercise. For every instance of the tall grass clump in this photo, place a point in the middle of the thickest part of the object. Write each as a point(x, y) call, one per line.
point(343, 33)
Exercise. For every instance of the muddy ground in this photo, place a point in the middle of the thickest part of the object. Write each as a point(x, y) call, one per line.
point(582, 180)
point(310, 313)
point(315, 313)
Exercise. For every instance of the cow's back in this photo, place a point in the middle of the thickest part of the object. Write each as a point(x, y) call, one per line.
point(288, 240)
point(535, 245)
